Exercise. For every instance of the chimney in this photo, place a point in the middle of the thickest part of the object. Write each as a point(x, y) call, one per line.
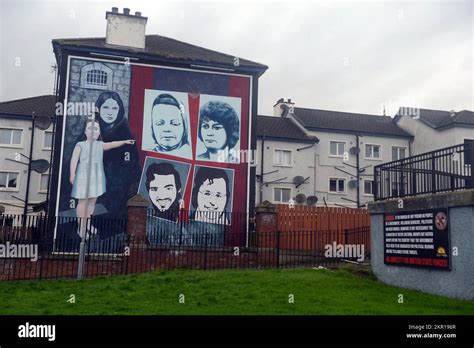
point(282, 107)
point(125, 29)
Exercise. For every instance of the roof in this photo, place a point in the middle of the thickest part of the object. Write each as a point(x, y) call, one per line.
point(438, 119)
point(43, 105)
point(167, 48)
point(280, 128)
point(347, 122)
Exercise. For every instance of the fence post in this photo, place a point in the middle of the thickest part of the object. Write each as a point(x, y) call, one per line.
point(41, 247)
point(205, 252)
point(278, 249)
point(470, 160)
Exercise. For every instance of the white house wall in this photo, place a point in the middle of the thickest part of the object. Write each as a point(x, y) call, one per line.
point(35, 196)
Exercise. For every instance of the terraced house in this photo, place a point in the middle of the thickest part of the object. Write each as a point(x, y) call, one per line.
point(323, 157)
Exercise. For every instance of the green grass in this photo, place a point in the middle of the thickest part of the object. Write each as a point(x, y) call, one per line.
point(224, 292)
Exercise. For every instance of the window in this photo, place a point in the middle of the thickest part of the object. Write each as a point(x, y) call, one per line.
point(8, 181)
point(96, 78)
point(281, 195)
point(337, 148)
point(10, 136)
point(337, 185)
point(97, 75)
point(44, 179)
point(282, 158)
point(48, 140)
point(368, 187)
point(372, 151)
point(398, 153)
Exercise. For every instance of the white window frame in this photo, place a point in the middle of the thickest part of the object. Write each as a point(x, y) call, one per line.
point(368, 194)
point(9, 189)
point(337, 141)
point(14, 146)
point(44, 138)
point(283, 165)
point(398, 152)
point(281, 188)
point(337, 185)
point(372, 158)
point(39, 183)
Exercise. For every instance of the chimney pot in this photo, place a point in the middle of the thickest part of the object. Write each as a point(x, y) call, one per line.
point(114, 9)
point(126, 11)
point(138, 14)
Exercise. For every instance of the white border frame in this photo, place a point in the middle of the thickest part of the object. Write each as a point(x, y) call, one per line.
point(66, 95)
point(14, 146)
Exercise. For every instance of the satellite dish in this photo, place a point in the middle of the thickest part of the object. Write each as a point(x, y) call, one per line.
point(354, 150)
point(40, 166)
point(311, 200)
point(298, 180)
point(2, 209)
point(284, 109)
point(43, 122)
point(353, 183)
point(300, 198)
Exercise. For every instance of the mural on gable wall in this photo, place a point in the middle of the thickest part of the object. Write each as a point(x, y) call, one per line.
point(173, 136)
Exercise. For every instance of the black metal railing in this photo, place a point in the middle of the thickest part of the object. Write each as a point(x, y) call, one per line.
point(446, 169)
point(45, 255)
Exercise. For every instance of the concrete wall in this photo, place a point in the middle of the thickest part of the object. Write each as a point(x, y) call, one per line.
point(456, 283)
point(39, 152)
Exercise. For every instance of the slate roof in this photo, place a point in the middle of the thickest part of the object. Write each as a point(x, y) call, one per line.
point(336, 121)
point(43, 105)
point(281, 128)
point(167, 48)
point(438, 119)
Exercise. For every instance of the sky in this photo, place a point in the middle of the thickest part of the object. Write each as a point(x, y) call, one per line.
point(352, 56)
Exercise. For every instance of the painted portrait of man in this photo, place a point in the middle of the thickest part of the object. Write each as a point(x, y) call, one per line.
point(163, 183)
point(212, 195)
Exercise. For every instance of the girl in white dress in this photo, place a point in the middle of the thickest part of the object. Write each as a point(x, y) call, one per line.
point(79, 168)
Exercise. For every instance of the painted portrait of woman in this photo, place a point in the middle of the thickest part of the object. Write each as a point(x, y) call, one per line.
point(219, 131)
point(121, 165)
point(169, 127)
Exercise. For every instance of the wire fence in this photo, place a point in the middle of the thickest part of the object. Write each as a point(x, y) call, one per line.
point(29, 251)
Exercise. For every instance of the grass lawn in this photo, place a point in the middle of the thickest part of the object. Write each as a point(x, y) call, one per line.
point(339, 291)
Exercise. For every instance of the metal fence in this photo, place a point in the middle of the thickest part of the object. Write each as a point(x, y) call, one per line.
point(202, 248)
point(447, 169)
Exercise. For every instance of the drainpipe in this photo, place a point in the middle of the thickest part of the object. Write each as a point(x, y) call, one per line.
point(261, 167)
point(358, 172)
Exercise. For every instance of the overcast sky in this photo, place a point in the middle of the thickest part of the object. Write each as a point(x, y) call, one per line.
point(354, 56)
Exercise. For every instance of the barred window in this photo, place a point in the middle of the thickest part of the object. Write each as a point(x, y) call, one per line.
point(97, 78)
